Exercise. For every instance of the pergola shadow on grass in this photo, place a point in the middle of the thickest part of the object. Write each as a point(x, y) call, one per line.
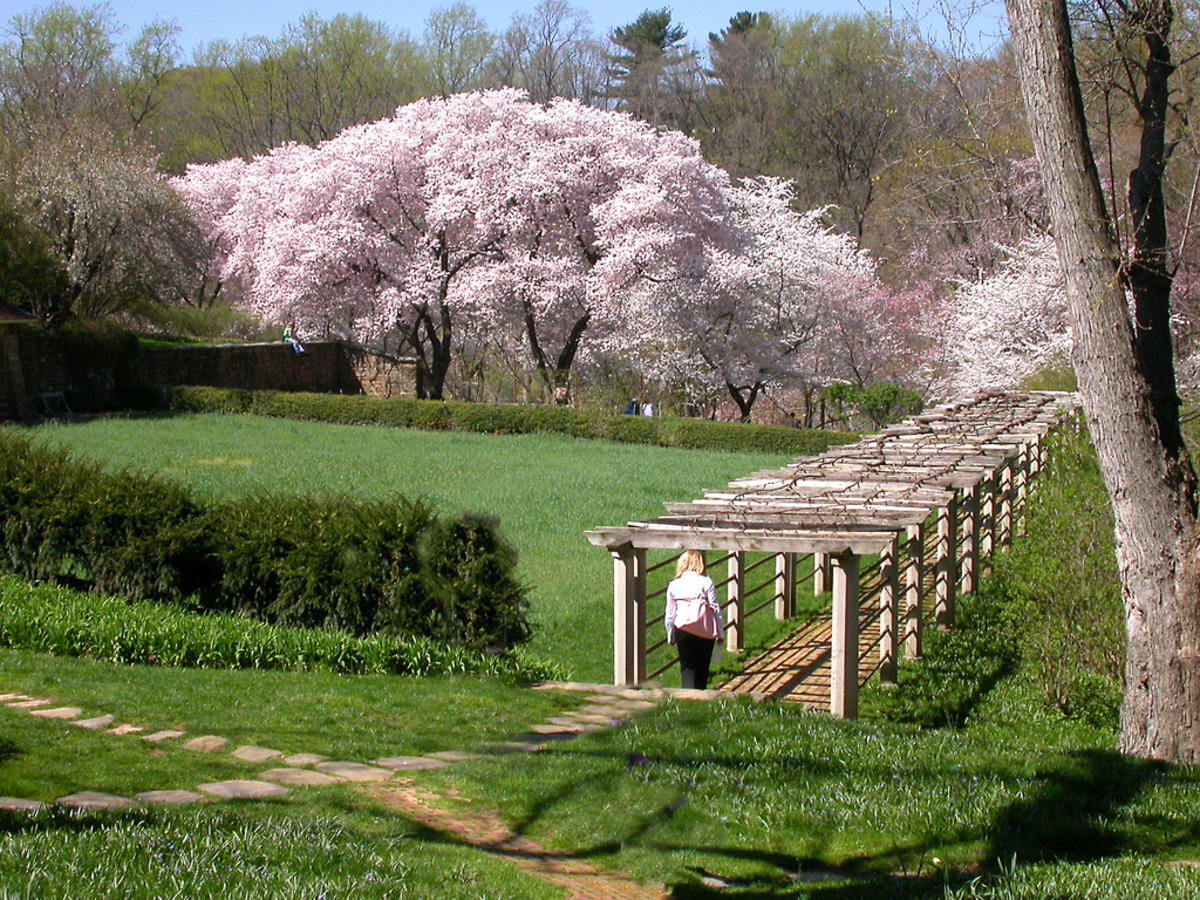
point(930, 498)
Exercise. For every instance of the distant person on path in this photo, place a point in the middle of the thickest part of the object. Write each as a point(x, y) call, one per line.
point(633, 408)
point(291, 338)
point(693, 619)
point(647, 408)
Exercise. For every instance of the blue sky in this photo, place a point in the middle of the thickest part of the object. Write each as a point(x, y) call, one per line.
point(233, 19)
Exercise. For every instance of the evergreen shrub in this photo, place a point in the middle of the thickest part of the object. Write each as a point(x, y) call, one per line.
point(455, 415)
point(385, 566)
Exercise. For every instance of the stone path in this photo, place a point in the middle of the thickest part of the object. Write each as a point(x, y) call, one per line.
point(603, 707)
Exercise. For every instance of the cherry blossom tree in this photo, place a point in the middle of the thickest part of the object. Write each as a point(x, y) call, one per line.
point(757, 304)
point(1009, 325)
point(475, 213)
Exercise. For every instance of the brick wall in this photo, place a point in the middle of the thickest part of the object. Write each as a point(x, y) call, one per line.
point(118, 374)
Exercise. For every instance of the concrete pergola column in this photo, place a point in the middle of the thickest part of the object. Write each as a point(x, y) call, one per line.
point(736, 610)
point(1021, 488)
point(843, 694)
point(785, 585)
point(889, 574)
point(629, 615)
point(914, 588)
point(946, 569)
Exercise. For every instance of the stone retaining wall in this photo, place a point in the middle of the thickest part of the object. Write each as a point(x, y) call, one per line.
point(40, 372)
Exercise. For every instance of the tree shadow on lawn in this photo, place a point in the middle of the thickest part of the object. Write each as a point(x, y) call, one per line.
point(1078, 810)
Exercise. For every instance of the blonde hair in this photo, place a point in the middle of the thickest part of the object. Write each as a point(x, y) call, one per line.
point(689, 561)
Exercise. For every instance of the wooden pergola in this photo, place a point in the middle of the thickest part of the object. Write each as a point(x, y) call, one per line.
point(965, 464)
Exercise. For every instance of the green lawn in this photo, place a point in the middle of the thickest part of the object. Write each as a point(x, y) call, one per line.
point(775, 801)
point(546, 491)
point(772, 801)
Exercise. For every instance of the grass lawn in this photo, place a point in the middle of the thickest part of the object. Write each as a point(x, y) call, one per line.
point(546, 491)
point(767, 800)
point(772, 800)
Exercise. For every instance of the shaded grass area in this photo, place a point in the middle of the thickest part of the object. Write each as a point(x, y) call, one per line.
point(546, 491)
point(356, 718)
point(779, 802)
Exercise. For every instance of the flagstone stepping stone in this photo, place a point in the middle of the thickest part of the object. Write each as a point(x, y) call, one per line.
point(409, 763)
point(547, 729)
point(352, 771)
point(634, 704)
point(94, 724)
point(564, 721)
point(126, 729)
point(58, 712)
point(208, 743)
point(94, 800)
point(171, 798)
point(243, 789)
point(5, 698)
point(252, 754)
point(594, 719)
point(298, 777)
point(304, 759)
point(16, 804)
point(595, 709)
point(30, 704)
point(160, 736)
point(454, 755)
point(544, 738)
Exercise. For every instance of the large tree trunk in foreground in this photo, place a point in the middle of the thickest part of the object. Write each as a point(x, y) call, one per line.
point(1128, 396)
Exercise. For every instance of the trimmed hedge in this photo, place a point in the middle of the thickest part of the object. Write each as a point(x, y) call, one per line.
point(385, 566)
point(455, 415)
point(50, 619)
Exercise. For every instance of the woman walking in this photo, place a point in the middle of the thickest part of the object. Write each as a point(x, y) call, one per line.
point(693, 618)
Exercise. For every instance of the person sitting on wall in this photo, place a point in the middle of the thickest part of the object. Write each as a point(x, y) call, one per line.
point(292, 339)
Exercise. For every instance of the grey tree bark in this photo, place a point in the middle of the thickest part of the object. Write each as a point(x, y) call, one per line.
point(1125, 371)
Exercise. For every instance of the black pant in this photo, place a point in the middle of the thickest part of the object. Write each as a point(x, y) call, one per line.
point(695, 655)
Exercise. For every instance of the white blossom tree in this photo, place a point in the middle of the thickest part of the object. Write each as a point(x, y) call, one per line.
point(1007, 326)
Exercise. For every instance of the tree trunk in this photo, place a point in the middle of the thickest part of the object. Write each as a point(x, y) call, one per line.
point(1148, 474)
point(744, 397)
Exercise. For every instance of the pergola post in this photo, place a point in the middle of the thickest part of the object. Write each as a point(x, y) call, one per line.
point(629, 614)
point(736, 610)
point(1022, 488)
point(1004, 494)
point(785, 585)
point(1035, 456)
point(970, 555)
point(889, 575)
point(946, 571)
point(913, 589)
point(843, 694)
point(987, 520)
point(821, 573)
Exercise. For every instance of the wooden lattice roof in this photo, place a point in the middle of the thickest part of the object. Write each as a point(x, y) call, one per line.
point(854, 498)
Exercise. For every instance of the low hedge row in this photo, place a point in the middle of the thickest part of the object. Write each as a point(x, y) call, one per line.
point(62, 622)
point(454, 415)
point(387, 566)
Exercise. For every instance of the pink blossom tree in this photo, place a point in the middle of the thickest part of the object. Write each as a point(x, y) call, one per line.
point(759, 303)
point(475, 213)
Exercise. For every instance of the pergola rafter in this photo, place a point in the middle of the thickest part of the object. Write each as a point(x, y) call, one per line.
point(968, 462)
